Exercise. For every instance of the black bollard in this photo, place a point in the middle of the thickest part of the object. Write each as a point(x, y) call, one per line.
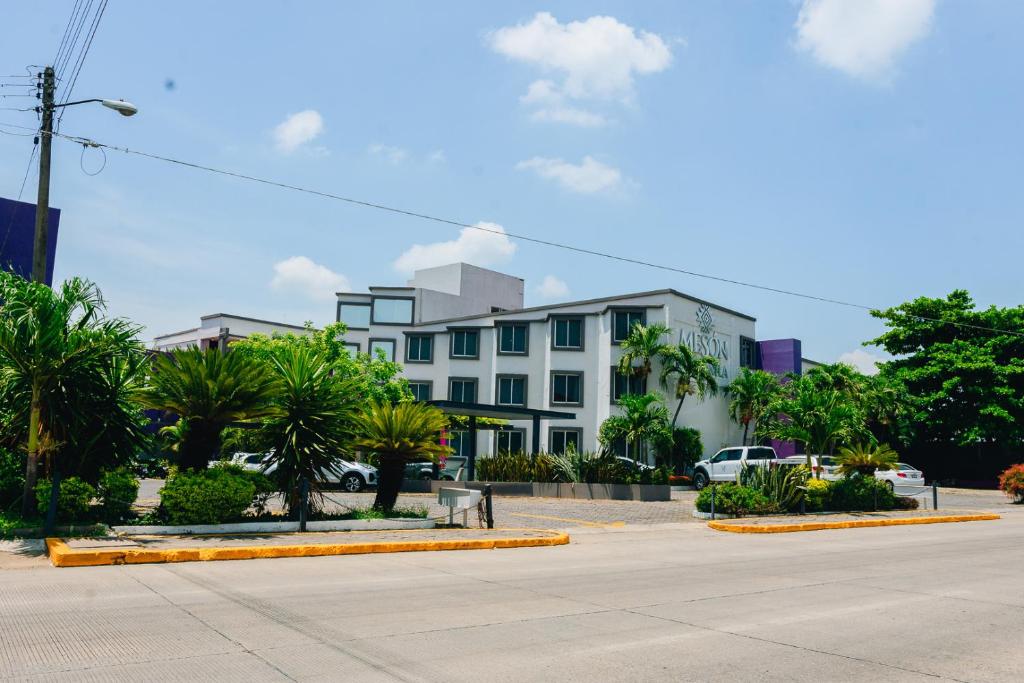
point(489, 506)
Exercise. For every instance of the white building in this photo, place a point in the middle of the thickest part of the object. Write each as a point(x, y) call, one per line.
point(218, 329)
point(462, 334)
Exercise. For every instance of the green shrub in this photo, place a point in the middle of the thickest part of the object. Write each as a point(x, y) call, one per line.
point(858, 493)
point(265, 486)
point(73, 500)
point(117, 492)
point(734, 499)
point(684, 449)
point(12, 478)
point(519, 466)
point(213, 496)
point(816, 495)
point(1011, 481)
point(782, 484)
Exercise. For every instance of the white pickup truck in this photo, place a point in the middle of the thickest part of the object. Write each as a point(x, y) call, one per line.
point(726, 463)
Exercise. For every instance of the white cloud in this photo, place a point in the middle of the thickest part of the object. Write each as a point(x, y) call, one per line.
point(862, 361)
point(597, 59)
point(302, 275)
point(482, 248)
point(298, 130)
point(864, 37)
point(587, 177)
point(437, 157)
point(390, 154)
point(552, 287)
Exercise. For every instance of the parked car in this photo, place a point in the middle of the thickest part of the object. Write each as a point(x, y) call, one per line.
point(419, 470)
point(452, 466)
point(350, 476)
point(633, 464)
point(824, 466)
point(903, 475)
point(726, 463)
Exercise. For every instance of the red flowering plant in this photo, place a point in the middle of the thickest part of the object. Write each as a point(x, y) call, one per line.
point(1012, 482)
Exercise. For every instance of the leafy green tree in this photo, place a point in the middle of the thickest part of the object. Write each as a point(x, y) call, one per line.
point(644, 421)
point(640, 348)
point(66, 375)
point(685, 373)
point(820, 419)
point(963, 368)
point(314, 424)
point(751, 395)
point(399, 433)
point(208, 390)
point(865, 460)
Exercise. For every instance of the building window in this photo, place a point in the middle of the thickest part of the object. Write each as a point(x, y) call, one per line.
point(623, 322)
point(352, 348)
point(513, 339)
point(567, 334)
point(421, 390)
point(465, 343)
point(385, 345)
point(748, 355)
point(510, 390)
point(627, 384)
point(388, 311)
point(562, 439)
point(462, 390)
point(355, 316)
point(419, 348)
point(567, 388)
point(459, 442)
point(510, 441)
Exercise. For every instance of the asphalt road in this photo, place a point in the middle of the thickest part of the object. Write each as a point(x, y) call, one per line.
point(655, 602)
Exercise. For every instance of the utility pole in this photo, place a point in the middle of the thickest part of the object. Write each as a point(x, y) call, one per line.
point(39, 249)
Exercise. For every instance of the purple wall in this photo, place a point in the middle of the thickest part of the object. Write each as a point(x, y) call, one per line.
point(780, 356)
point(17, 233)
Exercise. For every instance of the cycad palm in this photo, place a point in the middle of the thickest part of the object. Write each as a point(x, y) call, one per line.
point(685, 373)
point(865, 460)
point(641, 347)
point(209, 390)
point(398, 433)
point(751, 394)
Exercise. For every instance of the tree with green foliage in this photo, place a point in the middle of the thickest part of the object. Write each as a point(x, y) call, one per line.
point(209, 390)
point(67, 376)
point(884, 401)
point(751, 395)
point(819, 418)
point(398, 433)
point(686, 373)
point(640, 348)
point(963, 368)
point(866, 459)
point(644, 422)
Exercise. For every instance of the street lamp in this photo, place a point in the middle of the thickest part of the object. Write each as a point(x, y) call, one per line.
point(43, 200)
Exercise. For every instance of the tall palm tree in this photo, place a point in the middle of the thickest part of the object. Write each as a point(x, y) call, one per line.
point(639, 349)
point(644, 421)
point(399, 433)
point(686, 373)
point(821, 419)
point(209, 390)
point(751, 394)
point(55, 346)
point(315, 424)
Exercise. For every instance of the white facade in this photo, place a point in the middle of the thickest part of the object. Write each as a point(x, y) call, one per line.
point(216, 327)
point(517, 347)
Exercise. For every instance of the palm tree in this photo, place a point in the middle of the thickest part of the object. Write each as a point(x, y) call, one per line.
point(645, 420)
point(865, 460)
point(399, 433)
point(687, 374)
point(208, 390)
point(751, 393)
point(55, 346)
point(314, 426)
point(640, 348)
point(821, 419)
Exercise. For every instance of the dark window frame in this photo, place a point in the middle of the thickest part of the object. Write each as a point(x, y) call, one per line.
point(555, 319)
point(752, 345)
point(615, 378)
point(420, 335)
point(394, 346)
point(626, 309)
point(510, 430)
point(476, 388)
point(354, 303)
point(499, 327)
point(551, 393)
point(355, 344)
point(497, 389)
point(429, 384)
point(451, 342)
point(551, 437)
point(412, 311)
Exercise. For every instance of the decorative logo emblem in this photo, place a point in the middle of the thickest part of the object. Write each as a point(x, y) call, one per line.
point(704, 320)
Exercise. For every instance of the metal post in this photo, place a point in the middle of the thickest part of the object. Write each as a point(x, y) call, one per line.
point(935, 495)
point(472, 448)
point(51, 512)
point(536, 434)
point(303, 503)
point(803, 506)
point(489, 506)
point(39, 249)
point(712, 485)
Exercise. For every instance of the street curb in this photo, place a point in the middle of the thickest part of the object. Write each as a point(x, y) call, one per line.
point(852, 524)
point(61, 555)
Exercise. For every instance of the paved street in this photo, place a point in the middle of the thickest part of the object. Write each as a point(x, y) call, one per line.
point(654, 602)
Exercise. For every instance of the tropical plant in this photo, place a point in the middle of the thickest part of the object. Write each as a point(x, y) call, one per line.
point(641, 347)
point(12, 479)
point(313, 426)
point(684, 449)
point(866, 460)
point(209, 390)
point(66, 374)
point(644, 421)
point(73, 499)
point(398, 433)
point(860, 493)
point(820, 419)
point(686, 373)
point(750, 396)
point(117, 490)
point(816, 495)
point(517, 466)
point(784, 485)
point(1011, 481)
point(734, 499)
point(208, 496)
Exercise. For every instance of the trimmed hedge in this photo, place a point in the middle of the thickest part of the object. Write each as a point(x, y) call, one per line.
point(73, 500)
point(212, 496)
point(733, 499)
point(117, 492)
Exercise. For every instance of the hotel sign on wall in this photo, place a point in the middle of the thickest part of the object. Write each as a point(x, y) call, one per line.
point(706, 342)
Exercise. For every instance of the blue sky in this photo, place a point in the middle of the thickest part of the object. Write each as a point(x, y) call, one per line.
point(867, 151)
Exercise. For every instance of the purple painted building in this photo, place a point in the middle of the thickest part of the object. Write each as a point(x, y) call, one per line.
point(17, 234)
point(780, 357)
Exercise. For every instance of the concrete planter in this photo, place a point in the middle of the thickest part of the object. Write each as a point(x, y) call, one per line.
point(707, 515)
point(642, 492)
point(275, 527)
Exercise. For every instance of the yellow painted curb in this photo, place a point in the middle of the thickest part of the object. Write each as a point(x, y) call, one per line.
point(61, 555)
point(851, 524)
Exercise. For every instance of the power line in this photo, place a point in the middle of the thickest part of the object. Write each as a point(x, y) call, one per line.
point(60, 66)
point(519, 236)
point(81, 58)
point(67, 32)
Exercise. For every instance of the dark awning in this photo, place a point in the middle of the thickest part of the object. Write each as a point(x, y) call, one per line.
point(499, 412)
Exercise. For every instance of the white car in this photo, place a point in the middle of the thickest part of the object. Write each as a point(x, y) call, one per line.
point(824, 466)
point(351, 476)
point(903, 475)
point(726, 463)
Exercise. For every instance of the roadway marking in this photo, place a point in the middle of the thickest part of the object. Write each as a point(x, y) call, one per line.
point(582, 522)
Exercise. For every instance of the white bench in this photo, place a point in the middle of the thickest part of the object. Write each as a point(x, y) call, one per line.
point(458, 499)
